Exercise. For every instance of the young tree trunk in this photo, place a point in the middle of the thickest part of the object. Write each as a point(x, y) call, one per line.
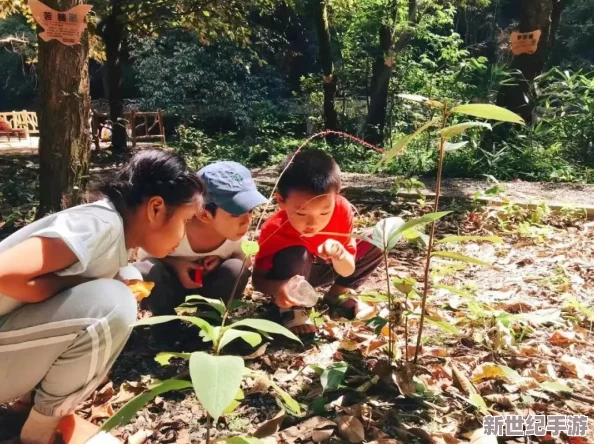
point(111, 30)
point(328, 76)
point(382, 72)
point(543, 15)
point(64, 104)
point(380, 85)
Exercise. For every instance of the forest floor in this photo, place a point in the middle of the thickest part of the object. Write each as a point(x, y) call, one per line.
point(511, 339)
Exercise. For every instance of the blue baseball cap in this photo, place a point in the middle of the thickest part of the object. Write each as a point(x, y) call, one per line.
point(231, 187)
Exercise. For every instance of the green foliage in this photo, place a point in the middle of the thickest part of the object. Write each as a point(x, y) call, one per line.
point(127, 412)
point(216, 380)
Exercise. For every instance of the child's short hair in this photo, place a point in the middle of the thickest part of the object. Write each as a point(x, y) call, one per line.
point(311, 171)
point(211, 207)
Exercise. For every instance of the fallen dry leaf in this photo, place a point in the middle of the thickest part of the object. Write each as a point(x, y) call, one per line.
point(140, 437)
point(322, 435)
point(351, 429)
point(478, 437)
point(304, 431)
point(101, 411)
point(259, 352)
point(487, 370)
point(366, 311)
point(563, 338)
point(501, 399)
point(271, 426)
point(104, 395)
point(577, 366)
point(444, 438)
point(403, 378)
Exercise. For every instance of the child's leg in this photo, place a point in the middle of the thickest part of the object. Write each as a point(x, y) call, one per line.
point(221, 282)
point(168, 292)
point(294, 261)
point(63, 348)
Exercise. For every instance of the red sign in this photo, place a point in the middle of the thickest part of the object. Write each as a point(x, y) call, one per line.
point(525, 42)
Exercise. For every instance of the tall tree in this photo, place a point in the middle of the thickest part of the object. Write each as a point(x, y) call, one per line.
point(543, 15)
point(328, 75)
point(390, 44)
point(120, 18)
point(64, 105)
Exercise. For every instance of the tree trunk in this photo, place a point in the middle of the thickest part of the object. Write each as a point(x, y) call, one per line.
point(534, 15)
point(382, 72)
point(111, 30)
point(64, 104)
point(329, 78)
point(380, 85)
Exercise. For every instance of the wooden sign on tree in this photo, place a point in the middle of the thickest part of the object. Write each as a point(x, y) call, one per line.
point(525, 42)
point(66, 27)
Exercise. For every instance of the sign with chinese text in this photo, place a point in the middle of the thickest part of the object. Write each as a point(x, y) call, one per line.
point(525, 42)
point(66, 27)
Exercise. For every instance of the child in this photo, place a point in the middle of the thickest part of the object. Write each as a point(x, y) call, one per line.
point(292, 241)
point(64, 316)
point(212, 244)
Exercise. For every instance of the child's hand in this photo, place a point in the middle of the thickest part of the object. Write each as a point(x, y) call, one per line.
point(283, 300)
point(211, 262)
point(333, 250)
point(184, 270)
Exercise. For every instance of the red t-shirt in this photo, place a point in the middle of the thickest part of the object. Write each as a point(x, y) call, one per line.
point(278, 234)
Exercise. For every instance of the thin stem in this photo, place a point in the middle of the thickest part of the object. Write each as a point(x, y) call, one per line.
point(405, 313)
point(431, 233)
point(390, 321)
point(207, 428)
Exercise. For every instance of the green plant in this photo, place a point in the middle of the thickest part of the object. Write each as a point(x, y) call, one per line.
point(446, 134)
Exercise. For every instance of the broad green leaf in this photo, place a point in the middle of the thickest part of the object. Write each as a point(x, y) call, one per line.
point(400, 144)
point(244, 440)
point(413, 223)
point(488, 111)
point(231, 334)
point(382, 230)
point(377, 323)
point(291, 405)
point(478, 401)
point(442, 325)
point(448, 146)
point(235, 403)
point(126, 413)
point(586, 311)
point(552, 386)
point(250, 248)
point(450, 239)
point(454, 290)
point(217, 304)
point(267, 326)
point(372, 296)
point(454, 130)
point(404, 285)
point(216, 380)
point(198, 322)
point(333, 376)
point(164, 357)
point(460, 257)
point(421, 99)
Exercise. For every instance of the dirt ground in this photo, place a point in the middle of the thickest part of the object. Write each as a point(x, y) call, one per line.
point(511, 338)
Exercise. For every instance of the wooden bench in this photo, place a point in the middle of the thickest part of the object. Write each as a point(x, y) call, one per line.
point(7, 131)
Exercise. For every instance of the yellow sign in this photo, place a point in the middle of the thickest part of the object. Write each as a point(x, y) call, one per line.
point(66, 27)
point(525, 42)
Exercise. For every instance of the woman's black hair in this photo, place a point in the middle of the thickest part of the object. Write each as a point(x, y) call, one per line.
point(153, 173)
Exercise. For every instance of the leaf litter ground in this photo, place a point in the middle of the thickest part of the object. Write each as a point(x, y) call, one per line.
point(511, 339)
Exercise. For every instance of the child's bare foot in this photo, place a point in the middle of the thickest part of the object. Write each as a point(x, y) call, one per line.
point(297, 320)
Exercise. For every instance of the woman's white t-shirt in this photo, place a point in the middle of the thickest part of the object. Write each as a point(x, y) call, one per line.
point(184, 251)
point(95, 234)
